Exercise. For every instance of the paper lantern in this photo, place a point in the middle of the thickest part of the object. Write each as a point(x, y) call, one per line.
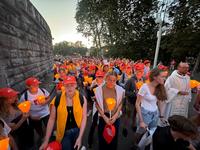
point(25, 106)
point(111, 102)
point(4, 144)
point(194, 83)
point(54, 146)
point(41, 99)
point(57, 76)
point(109, 133)
point(139, 84)
point(88, 79)
point(110, 70)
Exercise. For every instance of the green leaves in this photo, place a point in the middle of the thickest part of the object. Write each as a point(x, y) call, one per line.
point(118, 23)
point(66, 48)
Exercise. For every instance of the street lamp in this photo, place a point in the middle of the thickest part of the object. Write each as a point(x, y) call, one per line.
point(159, 33)
point(159, 20)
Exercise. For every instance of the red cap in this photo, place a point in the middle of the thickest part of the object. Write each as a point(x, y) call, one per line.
point(162, 67)
point(139, 66)
point(69, 80)
point(92, 67)
point(100, 73)
point(32, 81)
point(8, 92)
point(122, 66)
point(63, 67)
point(147, 61)
point(128, 67)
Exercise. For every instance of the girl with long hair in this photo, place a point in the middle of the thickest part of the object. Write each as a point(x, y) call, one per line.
point(148, 99)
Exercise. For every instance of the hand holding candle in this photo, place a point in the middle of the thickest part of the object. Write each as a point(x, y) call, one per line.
point(139, 84)
point(4, 144)
point(111, 103)
point(88, 79)
point(41, 99)
point(194, 83)
point(25, 106)
point(57, 76)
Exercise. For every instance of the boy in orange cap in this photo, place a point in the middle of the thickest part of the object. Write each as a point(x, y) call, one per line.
point(39, 112)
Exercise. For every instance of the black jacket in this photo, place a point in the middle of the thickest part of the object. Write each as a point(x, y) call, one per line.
point(131, 90)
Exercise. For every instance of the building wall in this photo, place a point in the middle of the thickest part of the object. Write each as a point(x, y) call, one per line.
point(25, 43)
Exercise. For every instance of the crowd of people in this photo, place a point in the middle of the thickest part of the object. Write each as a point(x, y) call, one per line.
point(155, 101)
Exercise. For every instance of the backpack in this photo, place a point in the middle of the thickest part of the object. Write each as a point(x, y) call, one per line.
point(26, 94)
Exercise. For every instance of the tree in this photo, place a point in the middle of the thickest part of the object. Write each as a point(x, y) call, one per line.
point(183, 37)
point(65, 48)
point(127, 27)
point(89, 23)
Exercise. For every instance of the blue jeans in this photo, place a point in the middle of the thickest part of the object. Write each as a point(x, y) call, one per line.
point(69, 139)
point(150, 118)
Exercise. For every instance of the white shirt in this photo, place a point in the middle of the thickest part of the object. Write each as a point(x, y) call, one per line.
point(149, 101)
point(37, 110)
point(6, 129)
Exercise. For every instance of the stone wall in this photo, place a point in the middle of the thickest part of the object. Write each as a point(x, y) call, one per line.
point(25, 43)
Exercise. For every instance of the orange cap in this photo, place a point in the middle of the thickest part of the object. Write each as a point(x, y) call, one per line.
point(92, 67)
point(162, 67)
point(147, 61)
point(8, 92)
point(139, 66)
point(128, 67)
point(100, 73)
point(69, 80)
point(32, 81)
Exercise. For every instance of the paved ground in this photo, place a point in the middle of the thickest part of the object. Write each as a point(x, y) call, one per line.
point(123, 143)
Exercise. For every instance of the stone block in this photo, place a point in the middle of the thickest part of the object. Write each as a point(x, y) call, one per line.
point(25, 43)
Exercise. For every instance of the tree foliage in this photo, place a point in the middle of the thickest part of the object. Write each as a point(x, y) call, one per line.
point(183, 35)
point(67, 48)
point(128, 29)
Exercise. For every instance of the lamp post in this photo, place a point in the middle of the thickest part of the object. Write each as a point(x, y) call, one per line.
point(159, 20)
point(159, 33)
